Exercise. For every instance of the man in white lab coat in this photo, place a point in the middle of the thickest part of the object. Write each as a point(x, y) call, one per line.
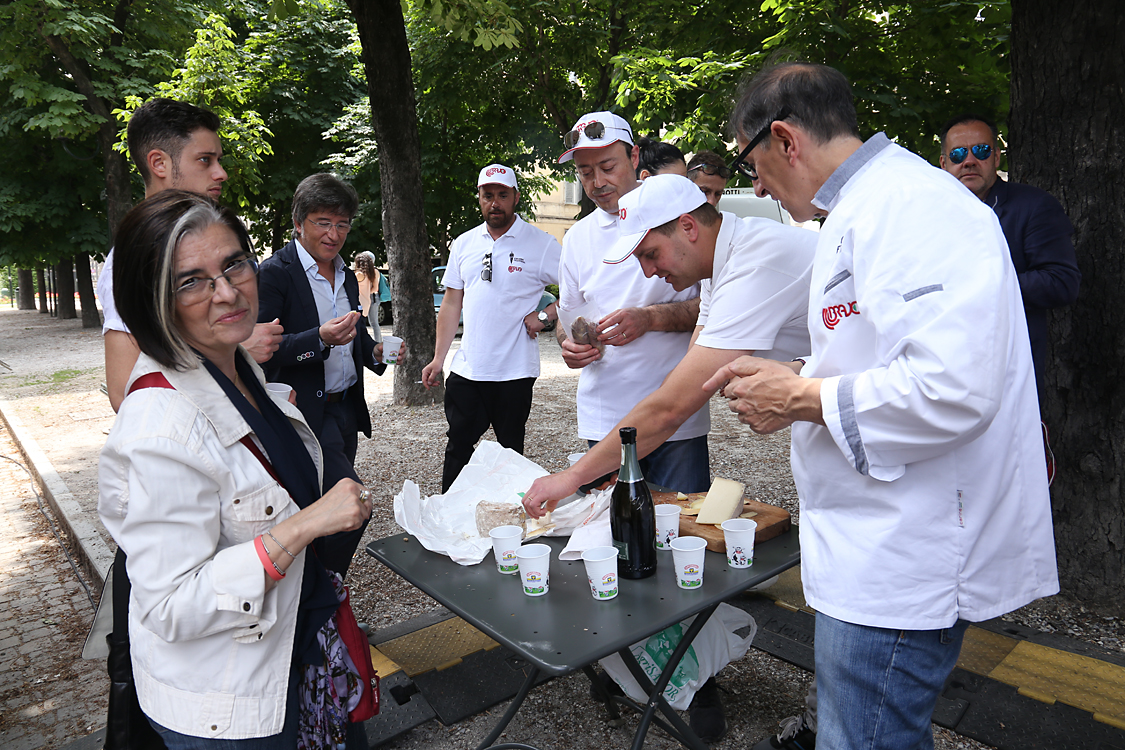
point(916, 446)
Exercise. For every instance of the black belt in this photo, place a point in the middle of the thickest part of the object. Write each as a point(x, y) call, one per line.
point(335, 398)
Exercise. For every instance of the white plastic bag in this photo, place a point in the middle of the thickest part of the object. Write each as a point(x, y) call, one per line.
point(447, 523)
point(715, 647)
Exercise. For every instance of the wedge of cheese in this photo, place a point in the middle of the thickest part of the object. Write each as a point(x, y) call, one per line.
point(723, 502)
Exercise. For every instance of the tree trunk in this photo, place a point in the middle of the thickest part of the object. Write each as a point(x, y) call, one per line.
point(90, 316)
point(27, 289)
point(1067, 130)
point(64, 281)
point(44, 299)
point(390, 86)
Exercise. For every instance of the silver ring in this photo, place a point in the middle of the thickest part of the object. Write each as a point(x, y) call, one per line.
point(365, 495)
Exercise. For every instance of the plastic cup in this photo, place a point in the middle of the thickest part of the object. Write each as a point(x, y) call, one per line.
point(535, 568)
point(505, 542)
point(739, 536)
point(687, 557)
point(601, 571)
point(667, 525)
point(391, 348)
point(280, 389)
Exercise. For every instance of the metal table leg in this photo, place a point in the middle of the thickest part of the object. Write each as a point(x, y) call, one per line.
point(506, 719)
point(683, 732)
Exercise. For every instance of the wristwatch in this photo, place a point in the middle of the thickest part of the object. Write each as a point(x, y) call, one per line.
point(543, 317)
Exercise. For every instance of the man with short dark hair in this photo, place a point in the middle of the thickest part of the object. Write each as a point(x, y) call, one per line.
point(924, 502)
point(710, 173)
point(496, 273)
point(1037, 230)
point(307, 285)
point(174, 145)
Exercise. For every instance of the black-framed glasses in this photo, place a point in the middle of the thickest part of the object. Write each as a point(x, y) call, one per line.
point(739, 164)
point(981, 151)
point(595, 131)
point(342, 227)
point(196, 289)
point(723, 172)
point(486, 274)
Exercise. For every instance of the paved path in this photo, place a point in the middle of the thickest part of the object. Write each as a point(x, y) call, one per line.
point(48, 694)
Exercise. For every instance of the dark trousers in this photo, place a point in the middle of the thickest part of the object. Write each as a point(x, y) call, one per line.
point(339, 440)
point(471, 406)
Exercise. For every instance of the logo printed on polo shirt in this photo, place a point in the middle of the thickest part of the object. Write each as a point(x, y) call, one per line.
point(621, 213)
point(833, 314)
point(513, 269)
point(495, 170)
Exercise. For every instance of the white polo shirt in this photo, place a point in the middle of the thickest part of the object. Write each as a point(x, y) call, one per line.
point(758, 298)
point(111, 321)
point(495, 345)
point(609, 388)
point(924, 499)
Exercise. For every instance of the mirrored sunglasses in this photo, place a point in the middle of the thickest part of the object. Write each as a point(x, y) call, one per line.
point(981, 151)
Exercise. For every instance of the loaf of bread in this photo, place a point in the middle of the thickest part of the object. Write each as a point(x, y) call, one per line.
point(492, 513)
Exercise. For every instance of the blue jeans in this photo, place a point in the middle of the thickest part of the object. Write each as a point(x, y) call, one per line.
point(877, 687)
point(680, 465)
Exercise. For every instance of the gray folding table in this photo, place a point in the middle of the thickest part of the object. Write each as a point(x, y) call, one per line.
point(567, 629)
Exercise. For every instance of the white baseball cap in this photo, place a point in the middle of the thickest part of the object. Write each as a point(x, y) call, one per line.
point(497, 174)
point(585, 134)
point(659, 199)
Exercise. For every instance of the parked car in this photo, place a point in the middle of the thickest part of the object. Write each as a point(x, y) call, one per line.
point(439, 293)
point(384, 297)
point(742, 203)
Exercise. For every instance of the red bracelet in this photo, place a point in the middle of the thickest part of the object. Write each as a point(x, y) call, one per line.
point(272, 570)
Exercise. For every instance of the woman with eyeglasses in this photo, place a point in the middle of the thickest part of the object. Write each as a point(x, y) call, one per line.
point(211, 486)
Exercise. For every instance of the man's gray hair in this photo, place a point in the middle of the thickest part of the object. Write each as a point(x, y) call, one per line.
point(818, 98)
point(323, 192)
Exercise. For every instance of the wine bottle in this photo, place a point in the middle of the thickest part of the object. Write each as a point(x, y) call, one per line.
point(632, 518)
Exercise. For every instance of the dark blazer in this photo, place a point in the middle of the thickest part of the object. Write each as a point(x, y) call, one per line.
point(284, 293)
point(1038, 234)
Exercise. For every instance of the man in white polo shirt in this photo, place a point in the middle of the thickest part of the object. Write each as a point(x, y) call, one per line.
point(757, 303)
point(645, 324)
point(496, 275)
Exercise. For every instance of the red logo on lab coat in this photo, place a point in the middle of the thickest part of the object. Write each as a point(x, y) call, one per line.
point(833, 314)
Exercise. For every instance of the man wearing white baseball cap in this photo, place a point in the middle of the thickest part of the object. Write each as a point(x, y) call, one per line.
point(496, 275)
point(645, 324)
point(758, 302)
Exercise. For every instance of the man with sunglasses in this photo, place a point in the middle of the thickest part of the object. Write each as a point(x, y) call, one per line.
point(309, 287)
point(710, 173)
point(1035, 226)
point(924, 502)
point(496, 274)
point(644, 324)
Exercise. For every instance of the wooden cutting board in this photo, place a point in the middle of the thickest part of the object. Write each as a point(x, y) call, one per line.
point(772, 521)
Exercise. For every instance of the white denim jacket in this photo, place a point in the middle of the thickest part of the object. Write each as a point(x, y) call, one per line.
point(211, 649)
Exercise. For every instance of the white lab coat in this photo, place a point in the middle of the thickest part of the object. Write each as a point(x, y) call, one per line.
point(924, 500)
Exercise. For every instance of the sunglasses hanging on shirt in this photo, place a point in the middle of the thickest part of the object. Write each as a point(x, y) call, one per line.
point(486, 274)
point(981, 152)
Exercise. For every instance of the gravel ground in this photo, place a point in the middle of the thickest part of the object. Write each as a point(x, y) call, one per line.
point(53, 386)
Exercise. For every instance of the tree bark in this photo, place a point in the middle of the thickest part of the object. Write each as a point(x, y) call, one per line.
point(390, 87)
point(64, 278)
point(27, 289)
point(44, 300)
point(90, 316)
point(1067, 133)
